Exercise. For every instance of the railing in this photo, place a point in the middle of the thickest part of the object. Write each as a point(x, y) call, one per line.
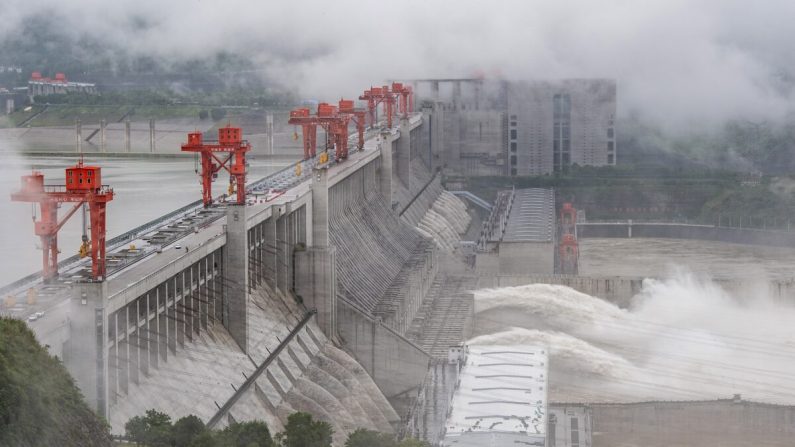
point(224, 409)
point(494, 226)
point(473, 198)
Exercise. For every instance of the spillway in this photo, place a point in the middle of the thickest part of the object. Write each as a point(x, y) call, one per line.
point(677, 336)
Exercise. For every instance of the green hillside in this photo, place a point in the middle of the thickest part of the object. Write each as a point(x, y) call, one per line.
point(40, 405)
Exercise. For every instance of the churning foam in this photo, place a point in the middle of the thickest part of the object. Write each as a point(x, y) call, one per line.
point(682, 338)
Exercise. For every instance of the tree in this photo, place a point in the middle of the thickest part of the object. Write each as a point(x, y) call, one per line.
point(411, 442)
point(187, 429)
point(245, 434)
point(206, 439)
point(302, 431)
point(154, 429)
point(368, 438)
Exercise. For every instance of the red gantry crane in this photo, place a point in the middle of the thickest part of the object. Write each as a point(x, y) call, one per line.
point(406, 93)
point(83, 186)
point(308, 123)
point(376, 96)
point(359, 117)
point(569, 252)
point(335, 124)
point(228, 153)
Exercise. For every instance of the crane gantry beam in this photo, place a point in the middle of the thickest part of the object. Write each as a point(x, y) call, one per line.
point(359, 117)
point(406, 94)
point(83, 186)
point(230, 142)
point(334, 122)
point(376, 96)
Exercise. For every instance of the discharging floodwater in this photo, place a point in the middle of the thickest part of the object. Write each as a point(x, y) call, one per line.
point(144, 190)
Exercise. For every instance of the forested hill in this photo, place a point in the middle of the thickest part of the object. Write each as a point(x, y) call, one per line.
point(40, 405)
point(41, 44)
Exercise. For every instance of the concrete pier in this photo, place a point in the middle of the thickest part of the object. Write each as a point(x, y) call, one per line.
point(385, 148)
point(84, 351)
point(236, 275)
point(269, 133)
point(151, 135)
point(127, 142)
point(103, 136)
point(78, 136)
point(316, 280)
point(403, 162)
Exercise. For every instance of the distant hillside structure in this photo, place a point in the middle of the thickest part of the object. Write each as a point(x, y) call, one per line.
point(38, 85)
point(519, 127)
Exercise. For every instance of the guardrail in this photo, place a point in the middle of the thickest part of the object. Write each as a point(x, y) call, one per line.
point(473, 198)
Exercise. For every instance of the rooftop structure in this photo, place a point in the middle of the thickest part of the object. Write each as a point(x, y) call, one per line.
point(519, 236)
point(501, 398)
point(39, 85)
point(532, 217)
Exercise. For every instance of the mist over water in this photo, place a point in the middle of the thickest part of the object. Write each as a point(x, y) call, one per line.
point(683, 338)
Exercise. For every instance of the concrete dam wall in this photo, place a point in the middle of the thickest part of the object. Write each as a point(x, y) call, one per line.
point(307, 374)
point(383, 265)
point(726, 423)
point(324, 298)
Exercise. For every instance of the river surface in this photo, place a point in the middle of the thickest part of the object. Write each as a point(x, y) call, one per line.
point(661, 257)
point(144, 190)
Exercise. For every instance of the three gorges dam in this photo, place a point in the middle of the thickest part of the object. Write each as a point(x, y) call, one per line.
point(338, 285)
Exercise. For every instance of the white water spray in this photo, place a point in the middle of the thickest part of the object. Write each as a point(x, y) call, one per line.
point(683, 338)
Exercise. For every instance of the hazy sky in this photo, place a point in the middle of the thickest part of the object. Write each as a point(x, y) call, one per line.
point(679, 61)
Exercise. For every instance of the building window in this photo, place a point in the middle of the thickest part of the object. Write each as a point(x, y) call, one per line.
point(610, 159)
point(513, 134)
point(513, 171)
point(575, 432)
point(513, 117)
point(513, 146)
point(611, 146)
point(513, 160)
point(561, 136)
point(609, 132)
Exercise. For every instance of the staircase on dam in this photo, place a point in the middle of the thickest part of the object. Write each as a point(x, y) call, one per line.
point(446, 317)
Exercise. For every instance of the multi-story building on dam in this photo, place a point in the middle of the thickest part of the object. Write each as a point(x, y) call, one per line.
point(521, 127)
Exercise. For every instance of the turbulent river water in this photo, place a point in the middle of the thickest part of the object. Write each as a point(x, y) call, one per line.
point(659, 257)
point(683, 338)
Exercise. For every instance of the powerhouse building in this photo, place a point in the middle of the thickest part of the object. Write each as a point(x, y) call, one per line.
point(520, 127)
